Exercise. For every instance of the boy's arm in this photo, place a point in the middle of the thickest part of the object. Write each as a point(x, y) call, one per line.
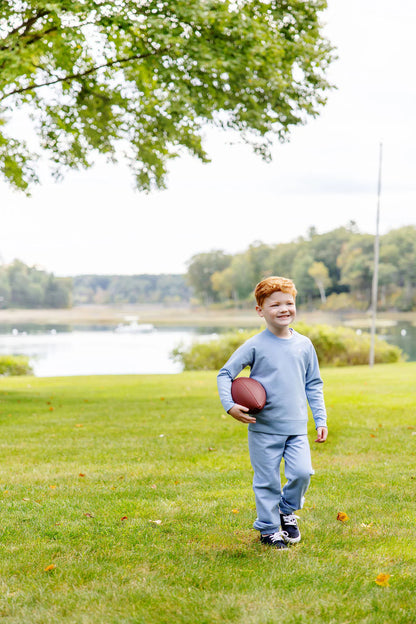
point(241, 358)
point(315, 395)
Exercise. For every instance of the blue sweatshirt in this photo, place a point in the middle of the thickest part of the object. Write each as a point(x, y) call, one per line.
point(289, 371)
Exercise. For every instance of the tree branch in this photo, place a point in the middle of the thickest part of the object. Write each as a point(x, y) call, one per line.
point(27, 26)
point(83, 74)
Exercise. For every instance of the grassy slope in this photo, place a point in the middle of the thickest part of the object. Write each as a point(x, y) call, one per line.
point(159, 448)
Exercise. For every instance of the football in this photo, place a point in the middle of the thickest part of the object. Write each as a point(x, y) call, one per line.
point(249, 393)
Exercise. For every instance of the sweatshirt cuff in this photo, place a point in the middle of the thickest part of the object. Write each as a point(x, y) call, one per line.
point(228, 405)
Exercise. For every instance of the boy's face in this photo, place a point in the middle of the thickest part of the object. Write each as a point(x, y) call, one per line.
point(279, 311)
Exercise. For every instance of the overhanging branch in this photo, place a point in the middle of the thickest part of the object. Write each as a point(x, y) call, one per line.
point(79, 75)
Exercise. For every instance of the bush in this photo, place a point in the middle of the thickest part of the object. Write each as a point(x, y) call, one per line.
point(336, 302)
point(342, 346)
point(210, 355)
point(15, 365)
point(335, 346)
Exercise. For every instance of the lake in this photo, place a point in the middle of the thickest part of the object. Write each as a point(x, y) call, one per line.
point(56, 352)
point(64, 350)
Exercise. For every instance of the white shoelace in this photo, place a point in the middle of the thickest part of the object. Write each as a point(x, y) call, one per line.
point(278, 536)
point(290, 519)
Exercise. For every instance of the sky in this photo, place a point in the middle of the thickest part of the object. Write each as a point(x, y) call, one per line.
point(326, 176)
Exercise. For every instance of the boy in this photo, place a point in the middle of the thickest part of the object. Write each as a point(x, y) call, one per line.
point(285, 363)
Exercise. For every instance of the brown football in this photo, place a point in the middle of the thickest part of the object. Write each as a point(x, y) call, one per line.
point(248, 392)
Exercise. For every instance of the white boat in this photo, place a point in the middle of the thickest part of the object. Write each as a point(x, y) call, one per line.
point(135, 328)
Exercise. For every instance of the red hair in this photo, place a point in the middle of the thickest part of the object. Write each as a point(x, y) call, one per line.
point(273, 284)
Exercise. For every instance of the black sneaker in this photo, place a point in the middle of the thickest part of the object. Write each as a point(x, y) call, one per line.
point(278, 540)
point(290, 528)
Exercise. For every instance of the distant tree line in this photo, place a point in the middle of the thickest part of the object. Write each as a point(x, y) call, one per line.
point(115, 289)
point(22, 286)
point(333, 270)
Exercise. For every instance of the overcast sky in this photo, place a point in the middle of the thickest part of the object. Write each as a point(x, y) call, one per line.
point(326, 176)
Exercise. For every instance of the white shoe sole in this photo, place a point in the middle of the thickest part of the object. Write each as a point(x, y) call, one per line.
point(292, 540)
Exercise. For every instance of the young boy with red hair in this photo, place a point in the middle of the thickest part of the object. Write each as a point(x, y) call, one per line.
point(285, 363)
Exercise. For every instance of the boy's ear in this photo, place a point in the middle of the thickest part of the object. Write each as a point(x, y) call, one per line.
point(259, 310)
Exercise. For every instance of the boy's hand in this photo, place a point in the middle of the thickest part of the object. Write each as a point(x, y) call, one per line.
point(239, 412)
point(322, 434)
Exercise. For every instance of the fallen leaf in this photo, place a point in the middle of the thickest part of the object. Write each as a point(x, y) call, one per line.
point(124, 518)
point(50, 567)
point(53, 487)
point(79, 425)
point(342, 517)
point(210, 448)
point(89, 515)
point(383, 580)
point(81, 474)
point(235, 511)
point(51, 408)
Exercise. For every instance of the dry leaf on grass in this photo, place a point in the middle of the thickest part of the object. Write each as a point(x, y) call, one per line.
point(342, 517)
point(383, 580)
point(49, 568)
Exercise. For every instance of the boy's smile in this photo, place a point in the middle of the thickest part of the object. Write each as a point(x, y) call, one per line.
point(279, 311)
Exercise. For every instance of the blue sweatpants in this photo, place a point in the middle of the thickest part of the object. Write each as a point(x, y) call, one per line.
point(266, 454)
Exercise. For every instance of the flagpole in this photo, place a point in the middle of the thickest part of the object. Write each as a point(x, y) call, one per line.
point(374, 293)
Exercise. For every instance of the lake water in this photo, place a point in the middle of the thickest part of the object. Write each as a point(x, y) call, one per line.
point(54, 352)
point(62, 351)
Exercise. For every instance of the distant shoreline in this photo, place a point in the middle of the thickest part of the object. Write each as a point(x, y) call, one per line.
point(184, 316)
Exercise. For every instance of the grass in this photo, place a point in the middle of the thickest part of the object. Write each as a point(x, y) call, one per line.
point(138, 490)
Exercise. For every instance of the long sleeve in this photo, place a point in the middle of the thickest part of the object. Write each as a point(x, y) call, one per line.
point(288, 370)
point(314, 390)
point(241, 358)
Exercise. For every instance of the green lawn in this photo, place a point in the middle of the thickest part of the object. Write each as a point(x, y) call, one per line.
point(138, 490)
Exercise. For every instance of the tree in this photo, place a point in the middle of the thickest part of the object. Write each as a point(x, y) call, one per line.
point(319, 272)
point(201, 268)
point(22, 286)
point(398, 248)
point(238, 279)
point(305, 285)
point(141, 80)
point(327, 247)
point(356, 263)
